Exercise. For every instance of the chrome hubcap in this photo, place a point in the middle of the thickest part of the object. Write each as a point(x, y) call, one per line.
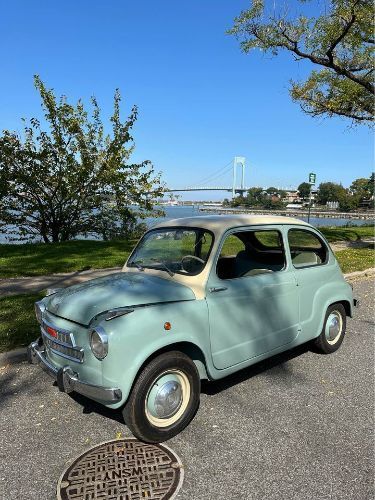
point(168, 399)
point(333, 327)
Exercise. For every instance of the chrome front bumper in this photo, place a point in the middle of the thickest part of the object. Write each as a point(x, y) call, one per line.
point(67, 380)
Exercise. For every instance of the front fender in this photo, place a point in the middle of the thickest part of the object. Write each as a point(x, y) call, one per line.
point(133, 338)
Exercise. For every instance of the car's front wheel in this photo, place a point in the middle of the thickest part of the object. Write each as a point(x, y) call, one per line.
point(333, 331)
point(164, 398)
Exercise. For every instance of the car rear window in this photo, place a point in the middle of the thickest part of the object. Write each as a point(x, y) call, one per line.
point(306, 248)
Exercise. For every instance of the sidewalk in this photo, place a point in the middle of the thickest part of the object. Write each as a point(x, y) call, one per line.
point(12, 286)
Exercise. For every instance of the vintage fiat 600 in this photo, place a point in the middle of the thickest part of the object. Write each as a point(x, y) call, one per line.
point(199, 298)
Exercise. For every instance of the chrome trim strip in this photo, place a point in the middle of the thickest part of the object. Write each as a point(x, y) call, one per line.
point(80, 351)
point(119, 311)
point(66, 356)
point(54, 339)
point(68, 380)
point(60, 330)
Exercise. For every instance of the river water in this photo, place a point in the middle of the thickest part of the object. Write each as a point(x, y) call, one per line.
point(193, 211)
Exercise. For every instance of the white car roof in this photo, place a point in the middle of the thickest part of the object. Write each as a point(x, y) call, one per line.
point(221, 223)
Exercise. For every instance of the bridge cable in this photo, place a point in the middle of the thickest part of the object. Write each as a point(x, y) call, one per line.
point(214, 175)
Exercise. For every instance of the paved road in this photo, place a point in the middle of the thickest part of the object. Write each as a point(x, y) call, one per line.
point(299, 426)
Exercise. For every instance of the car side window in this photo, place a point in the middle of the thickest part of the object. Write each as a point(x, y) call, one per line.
point(249, 253)
point(306, 248)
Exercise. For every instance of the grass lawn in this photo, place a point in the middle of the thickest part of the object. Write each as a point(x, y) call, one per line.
point(358, 259)
point(37, 259)
point(353, 233)
point(18, 326)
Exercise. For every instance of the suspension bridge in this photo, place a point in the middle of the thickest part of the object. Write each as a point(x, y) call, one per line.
point(237, 187)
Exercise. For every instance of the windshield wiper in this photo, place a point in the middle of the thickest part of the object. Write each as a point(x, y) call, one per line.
point(137, 264)
point(157, 261)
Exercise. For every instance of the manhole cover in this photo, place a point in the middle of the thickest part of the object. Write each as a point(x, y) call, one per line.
point(125, 469)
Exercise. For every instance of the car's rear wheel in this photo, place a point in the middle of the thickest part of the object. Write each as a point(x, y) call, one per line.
point(164, 398)
point(333, 331)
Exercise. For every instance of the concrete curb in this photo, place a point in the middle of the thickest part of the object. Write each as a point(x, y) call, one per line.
point(19, 355)
point(13, 357)
point(357, 274)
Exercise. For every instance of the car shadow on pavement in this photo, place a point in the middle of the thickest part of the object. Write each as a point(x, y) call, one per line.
point(278, 363)
point(90, 406)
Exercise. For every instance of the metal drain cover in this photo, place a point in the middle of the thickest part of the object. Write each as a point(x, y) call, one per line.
point(124, 469)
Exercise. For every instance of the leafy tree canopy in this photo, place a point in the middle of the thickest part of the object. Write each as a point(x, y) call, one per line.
point(340, 41)
point(73, 178)
point(329, 191)
point(348, 202)
point(362, 187)
point(304, 190)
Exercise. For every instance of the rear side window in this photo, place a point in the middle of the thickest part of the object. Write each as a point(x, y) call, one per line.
point(306, 248)
point(249, 253)
point(267, 239)
point(232, 245)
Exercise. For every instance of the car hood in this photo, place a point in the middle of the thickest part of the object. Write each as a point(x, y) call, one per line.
point(80, 303)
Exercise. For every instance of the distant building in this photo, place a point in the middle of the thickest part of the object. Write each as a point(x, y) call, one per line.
point(292, 196)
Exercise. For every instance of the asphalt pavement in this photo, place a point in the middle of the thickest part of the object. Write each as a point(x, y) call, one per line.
point(298, 426)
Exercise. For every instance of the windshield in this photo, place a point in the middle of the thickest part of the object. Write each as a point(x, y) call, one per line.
point(173, 250)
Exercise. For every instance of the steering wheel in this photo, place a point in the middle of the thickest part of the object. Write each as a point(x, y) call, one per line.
point(194, 257)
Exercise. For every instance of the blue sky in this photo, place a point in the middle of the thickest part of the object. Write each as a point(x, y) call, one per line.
point(201, 101)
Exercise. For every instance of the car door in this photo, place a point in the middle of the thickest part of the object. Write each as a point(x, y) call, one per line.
point(252, 297)
point(312, 268)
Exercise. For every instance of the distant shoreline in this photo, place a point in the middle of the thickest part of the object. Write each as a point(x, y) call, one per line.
point(292, 213)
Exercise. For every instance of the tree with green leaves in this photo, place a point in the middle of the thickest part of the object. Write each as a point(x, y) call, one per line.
point(73, 179)
point(348, 202)
point(329, 191)
point(362, 188)
point(304, 190)
point(255, 196)
point(339, 41)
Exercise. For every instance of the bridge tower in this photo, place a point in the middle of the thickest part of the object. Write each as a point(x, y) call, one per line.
point(238, 161)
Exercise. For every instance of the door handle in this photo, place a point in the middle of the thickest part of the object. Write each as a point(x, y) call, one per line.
point(213, 289)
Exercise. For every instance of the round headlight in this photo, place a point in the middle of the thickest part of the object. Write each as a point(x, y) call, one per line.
point(99, 342)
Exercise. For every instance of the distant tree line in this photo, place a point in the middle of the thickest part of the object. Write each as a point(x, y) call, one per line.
point(270, 198)
point(360, 194)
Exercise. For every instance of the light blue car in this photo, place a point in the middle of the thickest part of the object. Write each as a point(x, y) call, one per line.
point(199, 298)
